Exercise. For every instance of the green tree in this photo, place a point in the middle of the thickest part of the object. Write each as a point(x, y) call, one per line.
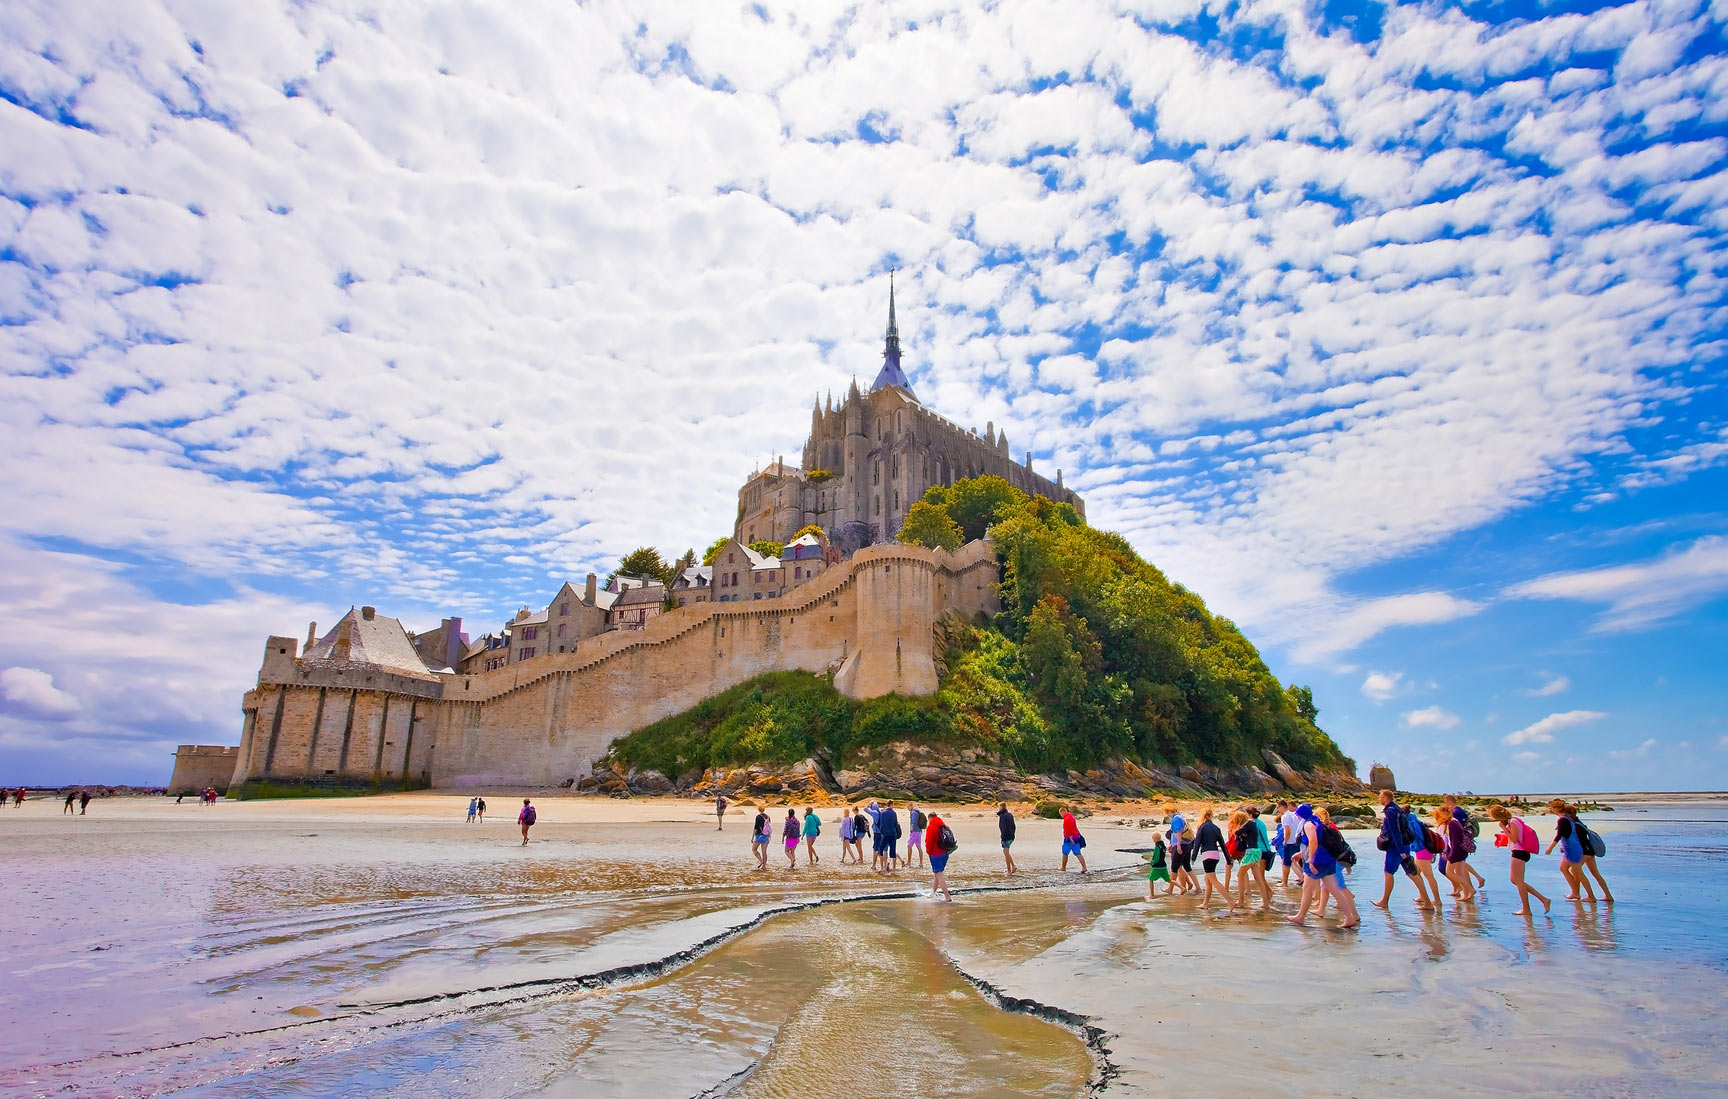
point(979, 502)
point(811, 528)
point(644, 563)
point(713, 551)
point(768, 549)
point(930, 525)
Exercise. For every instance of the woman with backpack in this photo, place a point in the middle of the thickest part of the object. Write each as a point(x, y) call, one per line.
point(1521, 838)
point(938, 845)
point(1459, 846)
point(860, 832)
point(1450, 803)
point(1590, 841)
point(1430, 845)
point(1209, 845)
point(1251, 848)
point(1570, 840)
point(790, 832)
point(848, 833)
point(812, 829)
point(1322, 874)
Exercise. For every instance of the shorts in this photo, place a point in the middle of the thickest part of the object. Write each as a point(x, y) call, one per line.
point(891, 849)
point(1521, 856)
point(754, 840)
point(1069, 847)
point(1333, 874)
point(1158, 873)
point(1461, 857)
point(1007, 843)
point(879, 844)
point(1288, 853)
point(1392, 860)
point(1183, 859)
point(1424, 855)
point(916, 840)
point(1209, 861)
point(791, 843)
point(938, 863)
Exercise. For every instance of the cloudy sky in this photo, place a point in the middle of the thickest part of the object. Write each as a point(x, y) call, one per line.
point(1396, 332)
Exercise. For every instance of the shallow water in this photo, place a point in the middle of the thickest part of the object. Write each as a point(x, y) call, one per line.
point(154, 951)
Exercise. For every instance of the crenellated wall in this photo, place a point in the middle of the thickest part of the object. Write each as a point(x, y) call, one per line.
point(542, 721)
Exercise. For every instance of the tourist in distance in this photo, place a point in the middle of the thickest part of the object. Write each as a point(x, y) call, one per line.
point(83, 802)
point(1005, 828)
point(812, 829)
point(1570, 842)
point(1181, 852)
point(1291, 826)
point(878, 841)
point(1158, 867)
point(888, 831)
point(790, 833)
point(1398, 849)
point(526, 819)
point(1450, 804)
point(939, 839)
point(915, 825)
point(18, 797)
point(1459, 847)
point(71, 796)
point(1073, 843)
point(759, 838)
point(848, 835)
point(1209, 846)
point(1588, 841)
point(482, 810)
point(473, 809)
point(1521, 838)
point(719, 812)
point(861, 831)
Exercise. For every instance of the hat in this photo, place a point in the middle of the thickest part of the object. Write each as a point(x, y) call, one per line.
point(1305, 811)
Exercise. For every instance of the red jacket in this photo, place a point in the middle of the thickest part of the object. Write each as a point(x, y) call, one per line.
point(931, 831)
point(1070, 830)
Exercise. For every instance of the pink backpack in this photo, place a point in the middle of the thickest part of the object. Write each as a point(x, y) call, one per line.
point(1527, 838)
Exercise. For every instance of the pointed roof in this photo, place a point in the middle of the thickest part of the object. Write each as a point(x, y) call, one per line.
point(891, 373)
point(375, 640)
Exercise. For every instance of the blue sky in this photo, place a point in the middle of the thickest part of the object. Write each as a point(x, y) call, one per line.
point(1396, 332)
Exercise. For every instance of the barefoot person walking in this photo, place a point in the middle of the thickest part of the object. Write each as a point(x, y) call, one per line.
point(812, 829)
point(526, 819)
point(759, 830)
point(1073, 843)
point(1005, 826)
point(1589, 841)
point(939, 843)
point(1521, 838)
point(791, 832)
point(719, 812)
point(1209, 846)
point(1462, 815)
point(1460, 845)
point(1399, 845)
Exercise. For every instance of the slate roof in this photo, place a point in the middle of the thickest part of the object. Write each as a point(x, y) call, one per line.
point(380, 641)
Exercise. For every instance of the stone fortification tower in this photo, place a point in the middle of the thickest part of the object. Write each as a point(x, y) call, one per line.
point(866, 461)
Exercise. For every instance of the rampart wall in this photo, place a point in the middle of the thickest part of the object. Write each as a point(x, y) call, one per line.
point(199, 765)
point(545, 720)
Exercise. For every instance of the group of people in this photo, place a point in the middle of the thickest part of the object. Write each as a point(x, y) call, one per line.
point(1307, 841)
point(929, 841)
point(18, 796)
point(477, 810)
point(77, 801)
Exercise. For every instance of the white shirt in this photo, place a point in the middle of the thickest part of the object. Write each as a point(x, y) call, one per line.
point(1292, 826)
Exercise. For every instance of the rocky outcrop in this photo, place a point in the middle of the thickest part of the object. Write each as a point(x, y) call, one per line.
point(1380, 778)
point(935, 771)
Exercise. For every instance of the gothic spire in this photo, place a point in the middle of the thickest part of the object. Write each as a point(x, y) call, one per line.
point(891, 373)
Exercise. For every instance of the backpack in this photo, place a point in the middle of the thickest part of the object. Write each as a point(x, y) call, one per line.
point(529, 816)
point(1431, 841)
point(945, 841)
point(1474, 825)
point(1333, 843)
point(1231, 849)
point(1468, 847)
point(862, 824)
point(1409, 829)
point(1592, 842)
point(917, 821)
point(1528, 841)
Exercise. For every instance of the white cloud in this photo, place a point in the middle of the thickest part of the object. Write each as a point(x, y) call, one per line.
point(1555, 685)
point(31, 693)
point(1542, 732)
point(1641, 595)
point(1526, 757)
point(1430, 717)
point(1380, 686)
point(1634, 753)
point(1351, 627)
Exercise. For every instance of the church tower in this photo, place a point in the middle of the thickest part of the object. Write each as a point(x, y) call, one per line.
point(891, 373)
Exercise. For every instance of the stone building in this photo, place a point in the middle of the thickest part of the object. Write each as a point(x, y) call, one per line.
point(866, 461)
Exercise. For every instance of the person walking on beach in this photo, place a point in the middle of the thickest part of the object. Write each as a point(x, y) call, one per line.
point(790, 833)
point(719, 812)
point(1567, 838)
point(1450, 803)
point(83, 802)
point(1251, 842)
point(1588, 841)
point(1158, 867)
point(1521, 838)
point(915, 825)
point(1291, 825)
point(939, 841)
point(888, 833)
point(759, 838)
point(1322, 872)
point(482, 808)
point(1005, 828)
point(1209, 845)
point(1181, 852)
point(1460, 845)
point(473, 808)
point(861, 832)
point(1399, 847)
point(1073, 843)
point(18, 797)
point(526, 819)
point(71, 796)
point(812, 829)
point(848, 833)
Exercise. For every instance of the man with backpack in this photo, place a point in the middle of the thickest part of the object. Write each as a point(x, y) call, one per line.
point(1400, 836)
point(526, 819)
point(941, 843)
point(888, 837)
point(915, 824)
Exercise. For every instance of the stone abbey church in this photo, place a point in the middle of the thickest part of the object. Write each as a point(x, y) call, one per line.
point(868, 460)
point(371, 705)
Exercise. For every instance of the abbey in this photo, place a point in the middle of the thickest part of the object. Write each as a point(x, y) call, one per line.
point(868, 460)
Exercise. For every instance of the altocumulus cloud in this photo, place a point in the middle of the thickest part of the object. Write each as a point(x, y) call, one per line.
point(1542, 732)
point(420, 304)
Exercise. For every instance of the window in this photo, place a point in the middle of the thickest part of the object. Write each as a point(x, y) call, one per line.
point(731, 558)
point(563, 611)
point(528, 652)
point(878, 505)
point(756, 595)
point(529, 632)
point(734, 579)
point(896, 499)
point(876, 473)
point(894, 466)
point(797, 574)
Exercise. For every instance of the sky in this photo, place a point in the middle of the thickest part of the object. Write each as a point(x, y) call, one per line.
point(1396, 332)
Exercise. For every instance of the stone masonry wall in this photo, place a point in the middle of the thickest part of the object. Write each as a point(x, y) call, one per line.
point(199, 765)
point(546, 720)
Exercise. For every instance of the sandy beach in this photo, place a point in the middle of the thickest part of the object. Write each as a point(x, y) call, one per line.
point(377, 944)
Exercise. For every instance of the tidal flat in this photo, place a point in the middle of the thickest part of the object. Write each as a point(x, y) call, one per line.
point(384, 946)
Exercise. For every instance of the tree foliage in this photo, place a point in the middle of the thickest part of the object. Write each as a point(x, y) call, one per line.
point(644, 563)
point(769, 549)
point(713, 551)
point(811, 528)
point(930, 525)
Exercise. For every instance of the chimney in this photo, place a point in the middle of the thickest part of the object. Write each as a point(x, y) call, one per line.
point(368, 613)
point(311, 633)
point(1058, 478)
point(344, 640)
point(588, 591)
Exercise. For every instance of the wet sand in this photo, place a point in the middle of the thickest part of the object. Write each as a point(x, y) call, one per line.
point(381, 945)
